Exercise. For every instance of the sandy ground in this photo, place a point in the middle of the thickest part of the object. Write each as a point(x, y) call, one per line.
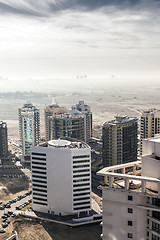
point(12, 187)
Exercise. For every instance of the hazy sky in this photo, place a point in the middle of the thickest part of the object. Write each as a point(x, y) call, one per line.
point(42, 39)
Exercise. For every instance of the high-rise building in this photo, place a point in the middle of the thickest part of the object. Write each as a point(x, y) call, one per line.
point(61, 177)
point(29, 128)
point(50, 111)
point(131, 202)
point(69, 124)
point(85, 110)
point(119, 138)
point(3, 140)
point(150, 124)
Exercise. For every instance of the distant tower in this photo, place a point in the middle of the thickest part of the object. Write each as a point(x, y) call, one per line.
point(3, 140)
point(85, 110)
point(50, 111)
point(119, 138)
point(61, 177)
point(29, 128)
point(150, 124)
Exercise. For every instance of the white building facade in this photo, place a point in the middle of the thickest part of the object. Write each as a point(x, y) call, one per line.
point(61, 177)
point(131, 202)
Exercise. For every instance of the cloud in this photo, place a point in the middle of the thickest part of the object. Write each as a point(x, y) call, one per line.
point(48, 8)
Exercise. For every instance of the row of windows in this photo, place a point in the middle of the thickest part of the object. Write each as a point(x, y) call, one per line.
point(84, 170)
point(39, 190)
point(156, 227)
point(81, 180)
point(80, 208)
point(154, 237)
point(39, 181)
point(81, 161)
point(81, 194)
point(37, 176)
point(81, 203)
point(82, 198)
point(39, 159)
point(40, 203)
point(37, 185)
point(79, 185)
point(81, 175)
point(81, 166)
point(35, 167)
point(39, 194)
point(39, 172)
point(41, 199)
point(38, 154)
point(81, 156)
point(82, 189)
point(38, 163)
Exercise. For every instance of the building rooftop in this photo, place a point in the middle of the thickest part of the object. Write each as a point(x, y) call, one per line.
point(128, 181)
point(64, 143)
point(120, 120)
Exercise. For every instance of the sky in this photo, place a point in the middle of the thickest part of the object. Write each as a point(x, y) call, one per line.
point(56, 39)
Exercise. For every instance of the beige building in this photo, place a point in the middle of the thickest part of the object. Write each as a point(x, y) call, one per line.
point(51, 111)
point(150, 124)
point(131, 202)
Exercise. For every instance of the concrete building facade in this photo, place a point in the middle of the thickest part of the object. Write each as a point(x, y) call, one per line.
point(131, 202)
point(86, 111)
point(29, 129)
point(119, 139)
point(150, 125)
point(69, 124)
point(61, 177)
point(3, 140)
point(51, 111)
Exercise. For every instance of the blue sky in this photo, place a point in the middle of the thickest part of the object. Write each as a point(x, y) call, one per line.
point(44, 39)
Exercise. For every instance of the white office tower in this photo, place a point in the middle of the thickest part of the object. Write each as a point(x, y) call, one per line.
point(61, 177)
point(85, 110)
point(29, 128)
point(150, 124)
point(131, 202)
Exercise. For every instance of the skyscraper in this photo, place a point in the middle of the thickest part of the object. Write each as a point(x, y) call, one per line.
point(150, 124)
point(51, 111)
point(61, 177)
point(69, 124)
point(85, 110)
point(29, 128)
point(119, 138)
point(3, 140)
point(131, 202)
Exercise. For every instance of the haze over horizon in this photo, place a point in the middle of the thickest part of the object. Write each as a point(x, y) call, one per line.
point(118, 41)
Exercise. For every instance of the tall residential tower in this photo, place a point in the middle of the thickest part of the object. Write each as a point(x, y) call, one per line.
point(150, 124)
point(29, 128)
point(3, 140)
point(119, 138)
point(85, 110)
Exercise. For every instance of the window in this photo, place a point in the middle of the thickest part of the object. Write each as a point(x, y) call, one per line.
point(130, 198)
point(130, 235)
point(130, 210)
point(129, 223)
point(81, 156)
point(39, 154)
point(40, 203)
